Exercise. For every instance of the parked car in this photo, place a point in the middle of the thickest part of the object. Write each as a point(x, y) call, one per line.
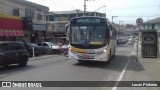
point(37, 49)
point(12, 52)
point(46, 50)
point(54, 47)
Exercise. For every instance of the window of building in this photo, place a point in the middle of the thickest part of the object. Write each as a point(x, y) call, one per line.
point(153, 26)
point(29, 13)
point(39, 16)
point(50, 18)
point(16, 12)
point(44, 16)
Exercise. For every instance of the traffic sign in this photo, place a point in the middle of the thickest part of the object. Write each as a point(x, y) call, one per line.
point(139, 21)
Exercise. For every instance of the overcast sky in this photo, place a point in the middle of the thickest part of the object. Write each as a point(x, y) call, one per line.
point(126, 10)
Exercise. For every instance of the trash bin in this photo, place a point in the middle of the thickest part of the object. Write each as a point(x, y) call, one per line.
point(149, 43)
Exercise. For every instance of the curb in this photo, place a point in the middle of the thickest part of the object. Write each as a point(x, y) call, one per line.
point(41, 57)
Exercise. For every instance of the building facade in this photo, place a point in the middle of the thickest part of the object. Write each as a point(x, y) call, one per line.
point(67, 15)
point(31, 16)
point(152, 24)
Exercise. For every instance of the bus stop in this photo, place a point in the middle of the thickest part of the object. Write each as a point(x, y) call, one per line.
point(149, 43)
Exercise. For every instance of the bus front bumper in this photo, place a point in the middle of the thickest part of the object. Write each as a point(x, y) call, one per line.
point(102, 57)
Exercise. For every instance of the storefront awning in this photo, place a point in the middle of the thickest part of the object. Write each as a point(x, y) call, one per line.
point(11, 25)
point(11, 33)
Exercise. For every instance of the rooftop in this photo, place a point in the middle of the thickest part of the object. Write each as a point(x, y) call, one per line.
point(156, 20)
point(31, 4)
point(69, 12)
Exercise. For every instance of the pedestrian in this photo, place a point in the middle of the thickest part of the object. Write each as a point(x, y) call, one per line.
point(61, 42)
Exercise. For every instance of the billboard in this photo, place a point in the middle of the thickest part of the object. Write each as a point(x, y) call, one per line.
point(58, 26)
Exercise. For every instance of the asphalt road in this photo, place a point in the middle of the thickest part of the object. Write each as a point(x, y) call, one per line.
point(60, 68)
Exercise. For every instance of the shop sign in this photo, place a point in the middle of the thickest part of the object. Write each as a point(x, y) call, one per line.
point(39, 27)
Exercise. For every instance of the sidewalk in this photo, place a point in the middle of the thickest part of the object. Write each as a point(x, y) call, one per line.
point(42, 57)
point(142, 69)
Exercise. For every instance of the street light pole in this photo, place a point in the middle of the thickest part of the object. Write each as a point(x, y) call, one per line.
point(84, 8)
point(84, 13)
point(97, 10)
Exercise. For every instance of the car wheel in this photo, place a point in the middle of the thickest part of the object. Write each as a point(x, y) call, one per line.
point(81, 61)
point(23, 61)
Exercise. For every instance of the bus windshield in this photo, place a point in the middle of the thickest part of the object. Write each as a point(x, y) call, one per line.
point(88, 35)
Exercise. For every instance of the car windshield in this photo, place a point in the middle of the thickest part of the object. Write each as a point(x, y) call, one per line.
point(3, 47)
point(52, 44)
point(33, 44)
point(88, 35)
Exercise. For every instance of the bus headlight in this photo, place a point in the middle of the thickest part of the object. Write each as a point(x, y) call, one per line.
point(105, 50)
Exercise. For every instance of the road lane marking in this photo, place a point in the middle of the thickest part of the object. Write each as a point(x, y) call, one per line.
point(121, 75)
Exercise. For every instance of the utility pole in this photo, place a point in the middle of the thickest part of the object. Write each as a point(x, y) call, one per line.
point(97, 10)
point(84, 13)
point(84, 8)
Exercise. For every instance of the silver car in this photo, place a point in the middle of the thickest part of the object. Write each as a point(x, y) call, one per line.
point(54, 47)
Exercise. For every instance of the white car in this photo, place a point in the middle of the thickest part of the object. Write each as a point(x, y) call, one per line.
point(55, 47)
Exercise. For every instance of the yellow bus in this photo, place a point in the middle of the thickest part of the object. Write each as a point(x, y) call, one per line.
point(91, 39)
